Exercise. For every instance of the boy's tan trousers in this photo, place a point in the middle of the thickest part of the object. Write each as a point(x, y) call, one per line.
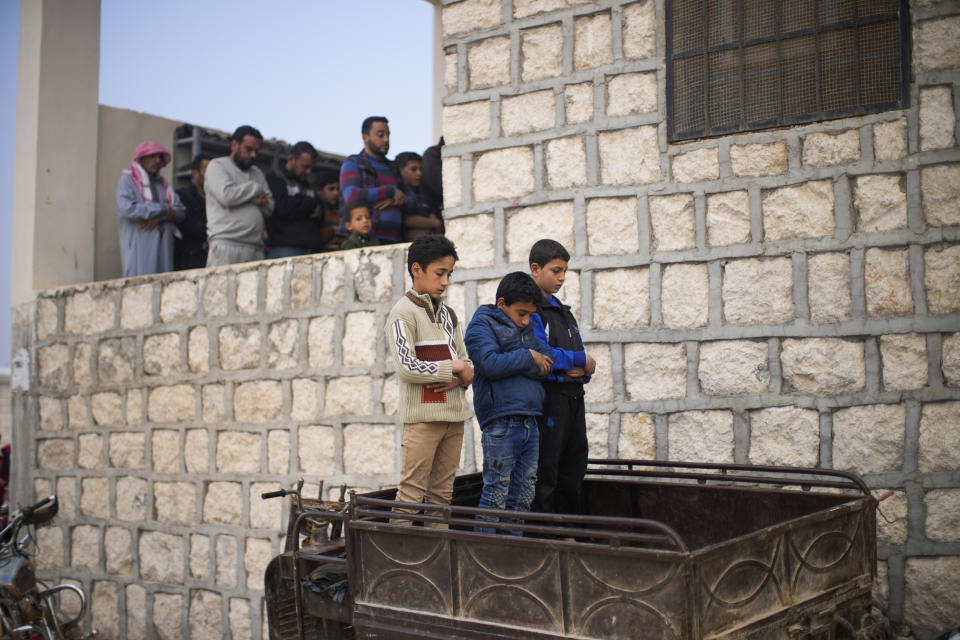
point(431, 455)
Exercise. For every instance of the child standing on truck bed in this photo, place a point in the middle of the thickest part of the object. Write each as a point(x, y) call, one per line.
point(426, 343)
point(563, 429)
point(507, 394)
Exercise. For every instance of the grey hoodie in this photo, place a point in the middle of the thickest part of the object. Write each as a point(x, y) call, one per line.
point(232, 210)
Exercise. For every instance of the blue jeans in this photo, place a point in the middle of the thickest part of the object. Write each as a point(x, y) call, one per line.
point(511, 447)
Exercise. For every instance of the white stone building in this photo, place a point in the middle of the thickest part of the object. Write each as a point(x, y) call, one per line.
point(784, 295)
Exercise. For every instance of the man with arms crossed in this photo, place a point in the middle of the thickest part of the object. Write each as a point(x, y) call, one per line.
point(237, 200)
point(369, 177)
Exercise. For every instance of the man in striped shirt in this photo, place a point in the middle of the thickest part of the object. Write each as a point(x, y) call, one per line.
point(369, 177)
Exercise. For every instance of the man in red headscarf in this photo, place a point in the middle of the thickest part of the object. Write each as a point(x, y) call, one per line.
point(148, 211)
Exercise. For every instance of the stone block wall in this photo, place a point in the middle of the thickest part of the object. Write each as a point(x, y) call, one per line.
point(162, 408)
point(790, 296)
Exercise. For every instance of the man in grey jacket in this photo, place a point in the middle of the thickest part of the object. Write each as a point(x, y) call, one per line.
point(237, 200)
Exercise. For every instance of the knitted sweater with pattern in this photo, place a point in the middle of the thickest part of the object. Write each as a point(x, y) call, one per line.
point(416, 331)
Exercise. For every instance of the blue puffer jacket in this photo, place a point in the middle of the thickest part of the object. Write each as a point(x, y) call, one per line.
point(506, 381)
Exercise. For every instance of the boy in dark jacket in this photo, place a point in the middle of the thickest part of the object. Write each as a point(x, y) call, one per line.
point(190, 250)
point(359, 226)
point(425, 218)
point(507, 394)
point(563, 428)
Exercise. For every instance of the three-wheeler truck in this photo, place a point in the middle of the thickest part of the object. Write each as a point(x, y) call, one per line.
point(666, 551)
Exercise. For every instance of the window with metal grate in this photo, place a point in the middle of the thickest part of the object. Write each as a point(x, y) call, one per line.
point(743, 65)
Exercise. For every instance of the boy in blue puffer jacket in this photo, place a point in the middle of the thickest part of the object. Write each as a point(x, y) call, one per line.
point(507, 395)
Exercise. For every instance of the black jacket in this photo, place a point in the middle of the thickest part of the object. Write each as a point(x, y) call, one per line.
point(292, 223)
point(431, 182)
point(188, 251)
point(561, 332)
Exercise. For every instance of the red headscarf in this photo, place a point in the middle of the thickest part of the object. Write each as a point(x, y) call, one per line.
point(148, 148)
point(139, 175)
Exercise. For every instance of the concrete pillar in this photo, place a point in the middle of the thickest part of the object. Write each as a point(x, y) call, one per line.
point(439, 69)
point(55, 180)
point(56, 145)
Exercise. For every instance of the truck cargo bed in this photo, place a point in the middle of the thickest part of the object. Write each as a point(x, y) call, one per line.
point(668, 550)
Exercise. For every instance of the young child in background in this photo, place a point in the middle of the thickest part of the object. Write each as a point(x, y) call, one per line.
point(359, 223)
point(327, 184)
point(563, 429)
point(507, 394)
point(426, 344)
point(425, 218)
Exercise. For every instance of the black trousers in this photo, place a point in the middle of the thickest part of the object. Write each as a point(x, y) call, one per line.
point(563, 454)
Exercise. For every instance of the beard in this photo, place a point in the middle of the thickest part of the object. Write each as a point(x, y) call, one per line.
point(378, 150)
point(243, 164)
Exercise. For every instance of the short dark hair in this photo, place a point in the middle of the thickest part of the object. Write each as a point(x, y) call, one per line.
point(198, 161)
point(301, 148)
point(543, 251)
point(353, 206)
point(368, 123)
point(246, 130)
point(325, 175)
point(427, 249)
point(405, 158)
point(518, 287)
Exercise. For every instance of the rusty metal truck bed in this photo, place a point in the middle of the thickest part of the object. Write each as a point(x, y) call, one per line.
point(667, 550)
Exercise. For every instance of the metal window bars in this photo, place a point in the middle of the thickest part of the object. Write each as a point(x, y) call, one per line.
point(744, 65)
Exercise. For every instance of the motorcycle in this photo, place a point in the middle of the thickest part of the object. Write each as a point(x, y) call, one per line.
point(28, 609)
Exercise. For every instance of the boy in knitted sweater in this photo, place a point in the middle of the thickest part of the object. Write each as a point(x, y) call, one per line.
point(426, 343)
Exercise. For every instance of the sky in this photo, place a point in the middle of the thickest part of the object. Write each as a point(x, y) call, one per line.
point(295, 69)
